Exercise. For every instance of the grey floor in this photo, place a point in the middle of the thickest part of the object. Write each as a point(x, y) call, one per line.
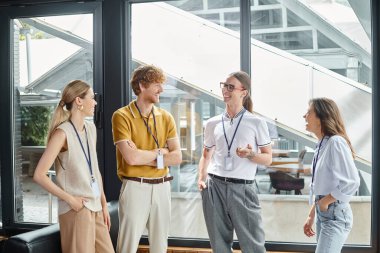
point(36, 203)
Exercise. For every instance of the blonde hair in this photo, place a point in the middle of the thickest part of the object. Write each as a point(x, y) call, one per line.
point(62, 112)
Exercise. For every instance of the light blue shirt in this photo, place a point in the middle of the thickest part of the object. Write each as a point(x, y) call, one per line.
point(335, 172)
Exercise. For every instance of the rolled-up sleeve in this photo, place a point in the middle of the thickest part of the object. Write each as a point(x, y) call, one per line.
point(172, 129)
point(345, 173)
point(120, 129)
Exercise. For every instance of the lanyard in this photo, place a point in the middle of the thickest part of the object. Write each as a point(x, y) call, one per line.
point(315, 160)
point(233, 137)
point(88, 159)
point(155, 137)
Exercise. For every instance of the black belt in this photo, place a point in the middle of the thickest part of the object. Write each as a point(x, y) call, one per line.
point(150, 181)
point(232, 180)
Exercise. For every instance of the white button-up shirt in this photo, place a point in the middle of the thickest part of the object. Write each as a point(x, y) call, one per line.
point(335, 171)
point(252, 130)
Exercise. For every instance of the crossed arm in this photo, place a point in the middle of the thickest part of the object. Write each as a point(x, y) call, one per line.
point(134, 156)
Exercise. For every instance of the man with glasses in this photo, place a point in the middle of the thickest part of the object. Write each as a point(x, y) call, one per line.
point(234, 144)
point(147, 143)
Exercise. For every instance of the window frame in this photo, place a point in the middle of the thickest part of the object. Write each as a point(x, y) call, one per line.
point(10, 225)
point(112, 70)
point(245, 61)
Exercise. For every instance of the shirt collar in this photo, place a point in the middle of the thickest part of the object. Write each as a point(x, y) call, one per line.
point(225, 114)
point(324, 140)
point(135, 111)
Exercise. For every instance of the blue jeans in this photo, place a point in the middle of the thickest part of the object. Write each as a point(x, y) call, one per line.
point(333, 226)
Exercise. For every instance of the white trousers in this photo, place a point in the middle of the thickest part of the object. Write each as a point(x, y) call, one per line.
point(141, 206)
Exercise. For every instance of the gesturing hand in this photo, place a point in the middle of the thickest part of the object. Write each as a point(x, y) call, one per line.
point(244, 152)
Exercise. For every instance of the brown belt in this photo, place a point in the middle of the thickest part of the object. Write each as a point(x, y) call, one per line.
point(150, 181)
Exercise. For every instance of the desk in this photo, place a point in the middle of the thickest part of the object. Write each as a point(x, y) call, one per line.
point(280, 152)
point(283, 160)
point(292, 168)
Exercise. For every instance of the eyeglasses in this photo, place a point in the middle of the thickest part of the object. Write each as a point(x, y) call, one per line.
point(229, 87)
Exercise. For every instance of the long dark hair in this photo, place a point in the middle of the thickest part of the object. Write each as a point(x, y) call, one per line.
point(331, 120)
point(245, 81)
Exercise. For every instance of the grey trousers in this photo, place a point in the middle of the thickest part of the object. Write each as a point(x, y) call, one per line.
point(228, 207)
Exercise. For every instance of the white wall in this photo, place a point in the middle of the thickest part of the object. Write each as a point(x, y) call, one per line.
point(283, 218)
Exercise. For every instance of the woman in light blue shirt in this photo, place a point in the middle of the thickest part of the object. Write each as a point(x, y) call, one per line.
point(335, 178)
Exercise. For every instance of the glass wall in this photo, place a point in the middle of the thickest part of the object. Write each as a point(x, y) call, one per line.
point(196, 55)
point(308, 29)
point(48, 52)
point(320, 57)
point(297, 54)
point(300, 49)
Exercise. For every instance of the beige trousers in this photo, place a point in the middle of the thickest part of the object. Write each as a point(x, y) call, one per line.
point(141, 206)
point(84, 232)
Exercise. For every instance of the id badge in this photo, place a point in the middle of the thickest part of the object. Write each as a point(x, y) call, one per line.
point(95, 188)
point(160, 161)
point(228, 162)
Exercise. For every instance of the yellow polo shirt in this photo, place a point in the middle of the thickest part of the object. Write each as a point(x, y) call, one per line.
point(127, 124)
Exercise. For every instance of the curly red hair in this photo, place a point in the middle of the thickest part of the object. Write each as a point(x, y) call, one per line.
point(146, 75)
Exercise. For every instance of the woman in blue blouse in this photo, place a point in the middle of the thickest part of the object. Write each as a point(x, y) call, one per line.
point(335, 178)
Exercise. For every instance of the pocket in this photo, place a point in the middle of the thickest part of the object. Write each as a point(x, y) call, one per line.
point(80, 209)
point(206, 194)
point(251, 199)
point(346, 214)
point(205, 189)
point(66, 214)
point(203, 192)
point(122, 189)
point(328, 214)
